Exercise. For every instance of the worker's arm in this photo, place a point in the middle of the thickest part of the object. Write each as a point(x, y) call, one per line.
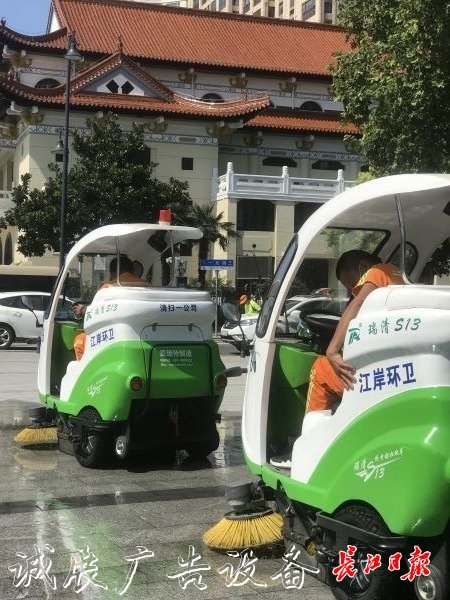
point(342, 369)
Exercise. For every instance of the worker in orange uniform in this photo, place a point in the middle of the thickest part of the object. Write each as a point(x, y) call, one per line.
point(121, 272)
point(361, 273)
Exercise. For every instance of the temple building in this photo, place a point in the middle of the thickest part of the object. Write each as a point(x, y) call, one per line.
point(240, 107)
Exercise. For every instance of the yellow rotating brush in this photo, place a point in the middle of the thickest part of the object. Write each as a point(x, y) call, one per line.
point(240, 530)
point(37, 435)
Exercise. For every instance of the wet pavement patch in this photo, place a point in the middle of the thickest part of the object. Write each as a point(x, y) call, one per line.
point(139, 497)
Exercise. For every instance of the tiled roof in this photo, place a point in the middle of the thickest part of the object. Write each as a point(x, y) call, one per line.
point(291, 119)
point(177, 106)
point(194, 37)
point(57, 39)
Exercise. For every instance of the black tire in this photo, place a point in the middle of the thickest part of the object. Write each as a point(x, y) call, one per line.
point(435, 586)
point(7, 336)
point(94, 450)
point(381, 584)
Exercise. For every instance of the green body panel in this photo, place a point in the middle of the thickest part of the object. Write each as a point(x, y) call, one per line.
point(180, 370)
point(288, 391)
point(105, 381)
point(413, 493)
point(109, 371)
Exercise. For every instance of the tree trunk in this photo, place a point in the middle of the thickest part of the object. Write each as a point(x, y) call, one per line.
point(202, 253)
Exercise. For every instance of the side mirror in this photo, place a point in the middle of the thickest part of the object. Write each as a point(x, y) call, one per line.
point(231, 312)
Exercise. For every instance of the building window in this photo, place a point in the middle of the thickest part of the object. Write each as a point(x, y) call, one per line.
point(255, 215)
point(114, 87)
point(47, 83)
point(212, 98)
point(328, 7)
point(253, 267)
point(328, 165)
point(246, 5)
point(280, 9)
point(1, 252)
point(187, 163)
point(311, 106)
point(308, 9)
point(278, 161)
point(302, 211)
point(271, 11)
point(127, 88)
point(222, 4)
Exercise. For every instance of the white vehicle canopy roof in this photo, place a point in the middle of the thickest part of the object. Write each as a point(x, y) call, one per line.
point(144, 241)
point(425, 206)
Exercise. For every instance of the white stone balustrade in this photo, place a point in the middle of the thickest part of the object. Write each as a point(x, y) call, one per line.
point(272, 187)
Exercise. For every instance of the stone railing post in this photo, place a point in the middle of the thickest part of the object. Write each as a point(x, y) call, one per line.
point(285, 178)
point(230, 178)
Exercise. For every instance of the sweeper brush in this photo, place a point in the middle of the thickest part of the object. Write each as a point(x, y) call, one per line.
point(37, 435)
point(238, 531)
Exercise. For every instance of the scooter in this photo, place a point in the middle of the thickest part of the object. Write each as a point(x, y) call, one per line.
point(371, 479)
point(151, 378)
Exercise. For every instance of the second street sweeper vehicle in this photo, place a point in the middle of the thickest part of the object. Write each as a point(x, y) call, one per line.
point(151, 377)
point(373, 477)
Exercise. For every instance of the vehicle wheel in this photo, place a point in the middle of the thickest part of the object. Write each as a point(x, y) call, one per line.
point(93, 450)
point(380, 584)
point(202, 448)
point(6, 336)
point(436, 585)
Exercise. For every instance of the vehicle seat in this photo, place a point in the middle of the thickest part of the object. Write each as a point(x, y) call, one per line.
point(288, 389)
point(62, 351)
point(311, 419)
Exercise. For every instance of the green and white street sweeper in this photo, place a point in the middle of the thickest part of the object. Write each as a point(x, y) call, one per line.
point(150, 377)
point(372, 477)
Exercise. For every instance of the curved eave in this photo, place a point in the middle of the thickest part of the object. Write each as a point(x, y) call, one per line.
point(179, 106)
point(305, 122)
point(56, 40)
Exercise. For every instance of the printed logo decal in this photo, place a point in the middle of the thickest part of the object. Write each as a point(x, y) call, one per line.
point(95, 388)
point(376, 466)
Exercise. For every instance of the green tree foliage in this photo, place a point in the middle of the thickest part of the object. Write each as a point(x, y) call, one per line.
point(214, 231)
point(395, 83)
point(110, 182)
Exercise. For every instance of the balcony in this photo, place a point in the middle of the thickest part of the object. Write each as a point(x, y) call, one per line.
point(5, 201)
point(271, 187)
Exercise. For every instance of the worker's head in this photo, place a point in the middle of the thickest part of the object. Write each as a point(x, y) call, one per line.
point(243, 299)
point(124, 264)
point(352, 265)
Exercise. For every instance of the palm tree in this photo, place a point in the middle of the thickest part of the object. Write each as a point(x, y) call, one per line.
point(214, 230)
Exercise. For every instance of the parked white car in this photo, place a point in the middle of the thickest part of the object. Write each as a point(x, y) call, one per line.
point(18, 323)
point(243, 333)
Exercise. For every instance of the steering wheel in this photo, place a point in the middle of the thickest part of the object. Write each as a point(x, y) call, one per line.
point(322, 323)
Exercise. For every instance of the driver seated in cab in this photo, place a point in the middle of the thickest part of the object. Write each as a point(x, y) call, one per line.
point(121, 273)
point(360, 272)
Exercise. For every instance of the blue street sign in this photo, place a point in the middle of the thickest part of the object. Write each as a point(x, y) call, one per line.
point(211, 264)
